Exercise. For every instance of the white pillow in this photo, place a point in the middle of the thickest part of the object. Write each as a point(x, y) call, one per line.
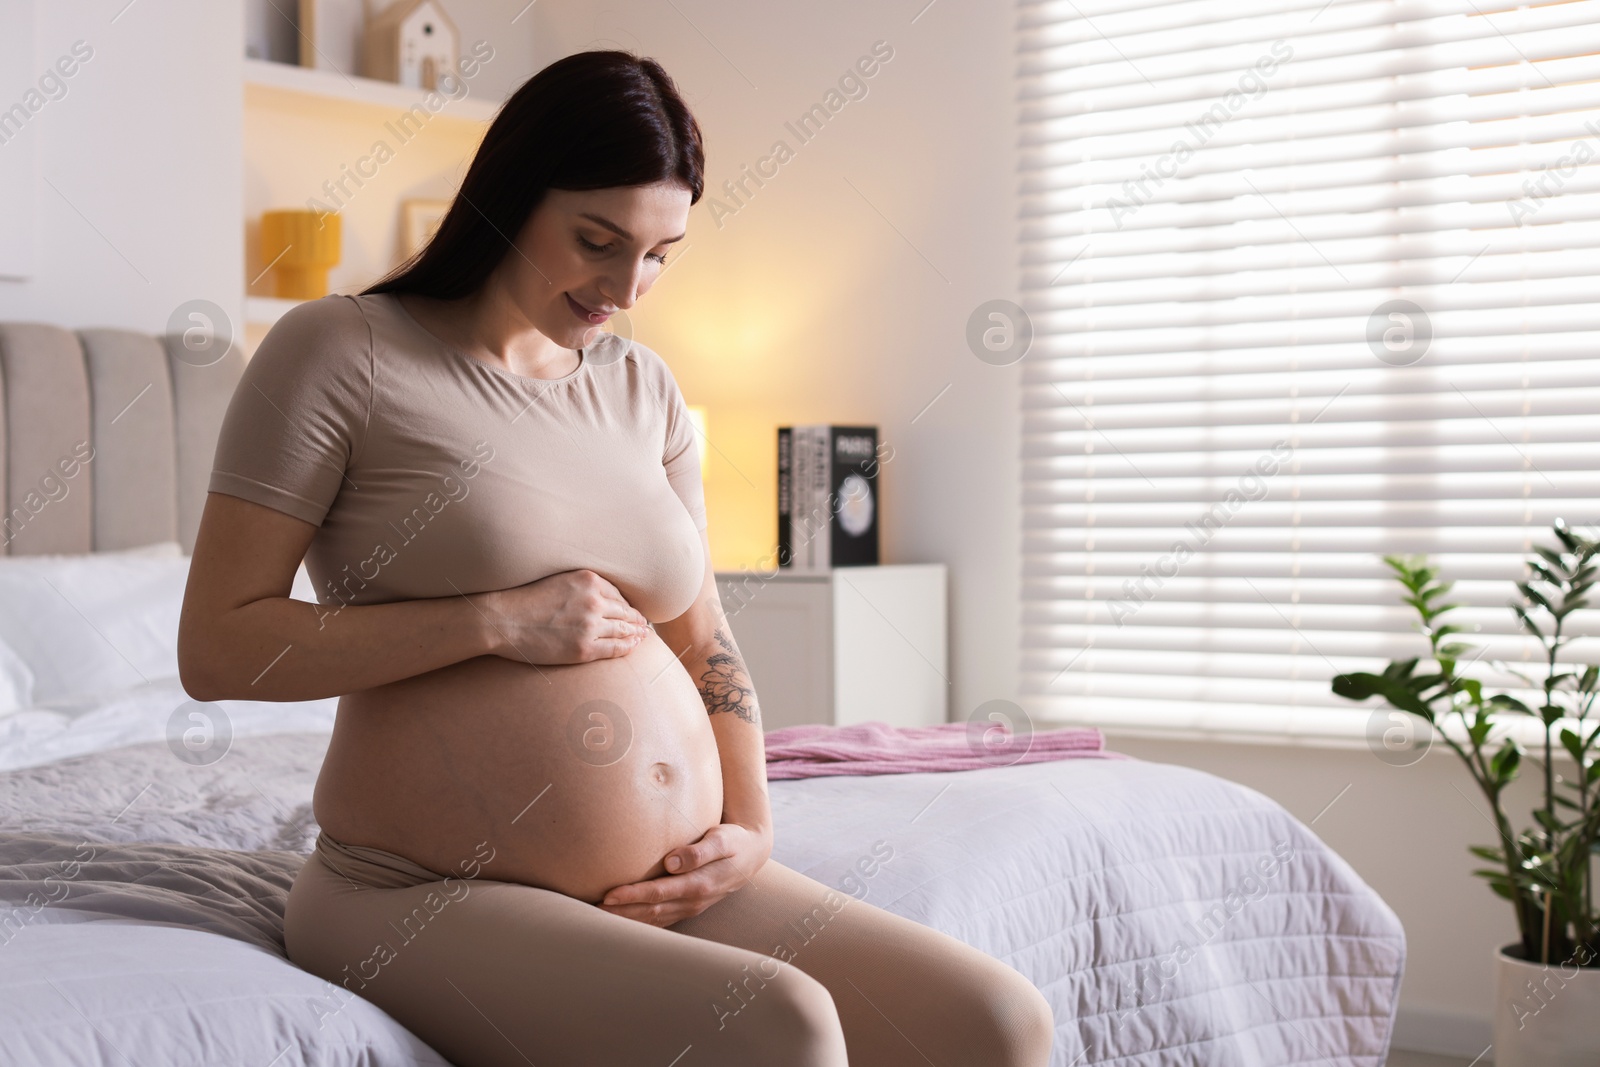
point(76, 626)
point(91, 623)
point(16, 680)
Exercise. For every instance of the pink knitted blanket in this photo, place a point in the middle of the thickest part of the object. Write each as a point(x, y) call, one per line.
point(878, 748)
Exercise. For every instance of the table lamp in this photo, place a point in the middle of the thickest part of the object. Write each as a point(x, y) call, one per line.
point(300, 246)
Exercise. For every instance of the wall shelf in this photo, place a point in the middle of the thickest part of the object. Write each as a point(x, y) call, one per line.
point(310, 140)
point(268, 78)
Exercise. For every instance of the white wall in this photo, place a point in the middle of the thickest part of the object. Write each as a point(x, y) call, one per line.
point(144, 149)
point(840, 291)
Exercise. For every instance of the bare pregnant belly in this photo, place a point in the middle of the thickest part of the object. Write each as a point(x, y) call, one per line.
point(579, 777)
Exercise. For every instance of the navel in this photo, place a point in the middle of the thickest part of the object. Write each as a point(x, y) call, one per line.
point(660, 773)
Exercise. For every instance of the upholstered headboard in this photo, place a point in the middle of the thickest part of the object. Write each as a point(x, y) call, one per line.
point(106, 437)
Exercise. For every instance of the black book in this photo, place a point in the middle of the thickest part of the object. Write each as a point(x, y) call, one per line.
point(785, 495)
point(851, 480)
point(827, 496)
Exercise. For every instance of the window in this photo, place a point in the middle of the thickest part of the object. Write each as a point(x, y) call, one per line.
point(1311, 282)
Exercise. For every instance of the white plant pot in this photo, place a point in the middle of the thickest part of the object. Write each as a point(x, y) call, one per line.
point(1546, 1015)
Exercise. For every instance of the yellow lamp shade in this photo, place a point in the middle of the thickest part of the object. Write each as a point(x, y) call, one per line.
point(300, 247)
point(697, 416)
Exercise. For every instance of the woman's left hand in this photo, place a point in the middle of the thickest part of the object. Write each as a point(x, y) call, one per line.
point(698, 875)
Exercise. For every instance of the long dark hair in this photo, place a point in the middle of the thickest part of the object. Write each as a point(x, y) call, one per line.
point(592, 120)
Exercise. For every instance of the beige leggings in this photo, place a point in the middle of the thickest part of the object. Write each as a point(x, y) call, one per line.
point(785, 972)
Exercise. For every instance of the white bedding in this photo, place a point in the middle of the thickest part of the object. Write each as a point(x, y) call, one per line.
point(65, 728)
point(168, 996)
point(79, 621)
point(1082, 874)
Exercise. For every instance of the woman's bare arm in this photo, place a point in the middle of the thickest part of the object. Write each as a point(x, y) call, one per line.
point(241, 636)
point(703, 640)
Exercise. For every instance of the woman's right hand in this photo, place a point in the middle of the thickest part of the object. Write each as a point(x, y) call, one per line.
point(569, 617)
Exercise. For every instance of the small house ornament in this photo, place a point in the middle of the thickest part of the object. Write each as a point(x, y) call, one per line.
point(412, 43)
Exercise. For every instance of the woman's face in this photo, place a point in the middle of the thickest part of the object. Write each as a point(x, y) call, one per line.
point(593, 253)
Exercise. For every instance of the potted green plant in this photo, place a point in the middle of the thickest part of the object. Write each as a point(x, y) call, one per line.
point(1548, 983)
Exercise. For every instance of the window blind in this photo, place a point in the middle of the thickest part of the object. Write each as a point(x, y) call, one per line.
point(1310, 282)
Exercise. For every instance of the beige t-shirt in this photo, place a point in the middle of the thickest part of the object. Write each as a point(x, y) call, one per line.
point(430, 472)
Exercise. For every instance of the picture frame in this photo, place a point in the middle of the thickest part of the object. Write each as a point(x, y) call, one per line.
point(419, 220)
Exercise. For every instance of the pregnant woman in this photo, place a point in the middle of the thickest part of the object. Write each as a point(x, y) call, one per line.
point(544, 819)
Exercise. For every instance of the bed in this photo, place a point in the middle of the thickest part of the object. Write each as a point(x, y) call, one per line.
point(1171, 917)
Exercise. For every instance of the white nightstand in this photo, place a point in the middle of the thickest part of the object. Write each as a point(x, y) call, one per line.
point(849, 645)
